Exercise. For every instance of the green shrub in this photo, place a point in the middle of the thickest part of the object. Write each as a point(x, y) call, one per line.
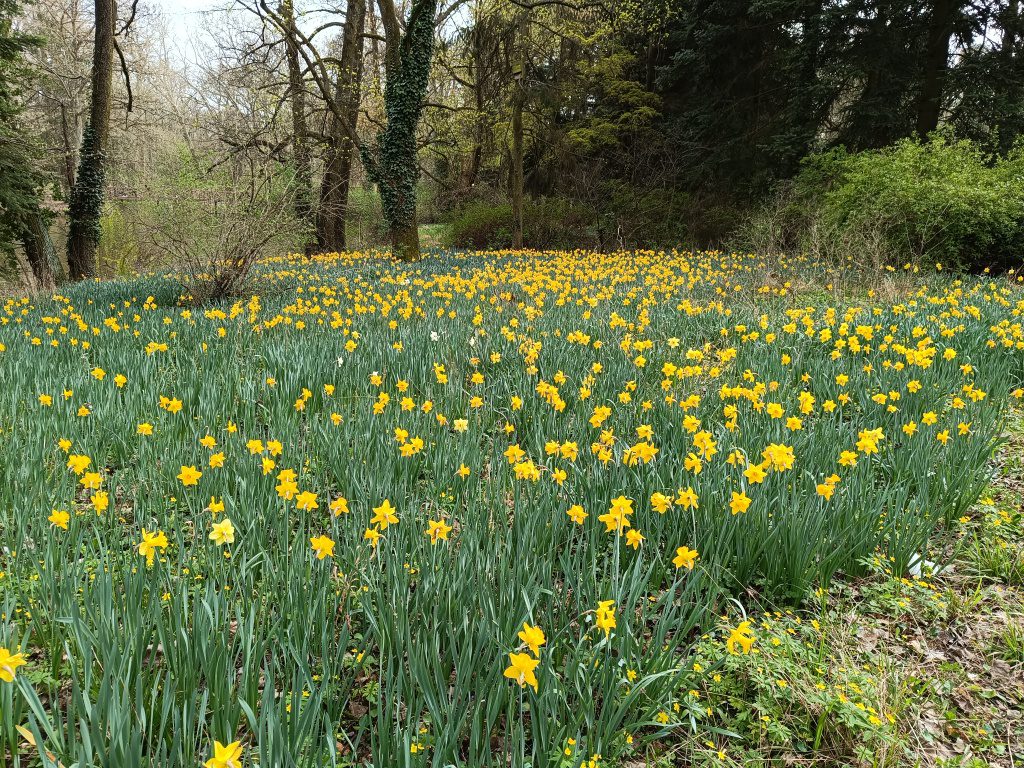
point(936, 201)
point(651, 217)
point(480, 225)
point(118, 250)
point(618, 215)
point(547, 223)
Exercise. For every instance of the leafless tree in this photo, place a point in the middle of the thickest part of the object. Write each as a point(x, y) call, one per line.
point(213, 235)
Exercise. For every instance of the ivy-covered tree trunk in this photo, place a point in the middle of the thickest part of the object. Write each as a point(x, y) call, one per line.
point(392, 163)
point(87, 194)
point(334, 191)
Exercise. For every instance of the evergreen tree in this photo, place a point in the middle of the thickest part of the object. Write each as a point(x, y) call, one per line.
point(989, 79)
point(20, 181)
point(744, 91)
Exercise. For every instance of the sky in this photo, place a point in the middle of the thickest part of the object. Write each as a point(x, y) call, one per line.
point(183, 15)
point(185, 22)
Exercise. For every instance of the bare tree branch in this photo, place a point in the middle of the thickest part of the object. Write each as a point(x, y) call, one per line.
point(127, 77)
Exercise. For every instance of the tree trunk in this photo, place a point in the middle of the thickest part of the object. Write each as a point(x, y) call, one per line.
point(517, 170)
point(405, 241)
point(38, 250)
point(334, 191)
point(71, 136)
point(375, 60)
point(477, 73)
point(393, 39)
point(936, 65)
point(87, 195)
point(519, 97)
point(393, 163)
point(300, 135)
point(1010, 22)
point(475, 159)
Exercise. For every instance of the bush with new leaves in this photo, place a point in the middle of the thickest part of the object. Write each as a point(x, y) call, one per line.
point(936, 201)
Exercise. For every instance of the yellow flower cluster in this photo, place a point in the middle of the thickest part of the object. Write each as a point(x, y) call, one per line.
point(412, 459)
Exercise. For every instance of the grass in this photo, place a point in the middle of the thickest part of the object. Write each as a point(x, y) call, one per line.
point(501, 509)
